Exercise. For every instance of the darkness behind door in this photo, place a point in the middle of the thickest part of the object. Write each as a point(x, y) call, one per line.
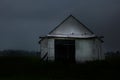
point(65, 50)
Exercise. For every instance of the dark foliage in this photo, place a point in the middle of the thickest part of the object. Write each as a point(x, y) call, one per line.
point(18, 53)
point(33, 68)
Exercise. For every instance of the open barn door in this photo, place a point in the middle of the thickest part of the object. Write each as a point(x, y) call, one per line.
point(65, 50)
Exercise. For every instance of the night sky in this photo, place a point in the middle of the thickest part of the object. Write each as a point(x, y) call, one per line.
point(23, 21)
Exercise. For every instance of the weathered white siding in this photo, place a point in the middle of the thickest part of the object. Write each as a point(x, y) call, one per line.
point(98, 49)
point(84, 49)
point(44, 47)
point(51, 54)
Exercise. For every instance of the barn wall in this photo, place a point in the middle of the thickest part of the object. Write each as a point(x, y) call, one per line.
point(84, 49)
point(51, 54)
point(95, 53)
point(98, 49)
point(44, 47)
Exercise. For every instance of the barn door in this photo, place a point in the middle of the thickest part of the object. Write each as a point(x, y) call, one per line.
point(65, 50)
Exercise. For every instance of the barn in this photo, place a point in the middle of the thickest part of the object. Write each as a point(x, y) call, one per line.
point(71, 41)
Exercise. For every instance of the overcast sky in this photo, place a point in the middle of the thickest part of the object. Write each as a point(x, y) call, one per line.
point(23, 21)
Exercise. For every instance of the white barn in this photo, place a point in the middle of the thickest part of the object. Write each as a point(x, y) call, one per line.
point(71, 41)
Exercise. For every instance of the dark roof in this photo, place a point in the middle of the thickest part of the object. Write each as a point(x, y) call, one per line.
point(67, 19)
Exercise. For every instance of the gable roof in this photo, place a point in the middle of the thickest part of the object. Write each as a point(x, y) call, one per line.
point(71, 16)
point(91, 35)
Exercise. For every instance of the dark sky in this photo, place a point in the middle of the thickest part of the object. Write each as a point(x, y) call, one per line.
point(23, 21)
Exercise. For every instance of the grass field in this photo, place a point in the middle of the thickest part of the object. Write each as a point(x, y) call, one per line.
point(31, 68)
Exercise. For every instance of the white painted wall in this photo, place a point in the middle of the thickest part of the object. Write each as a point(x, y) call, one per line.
point(98, 49)
point(84, 49)
point(43, 47)
point(51, 51)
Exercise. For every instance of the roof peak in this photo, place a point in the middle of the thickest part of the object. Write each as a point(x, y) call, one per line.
point(70, 16)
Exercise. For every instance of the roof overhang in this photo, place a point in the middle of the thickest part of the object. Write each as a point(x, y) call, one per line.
point(73, 37)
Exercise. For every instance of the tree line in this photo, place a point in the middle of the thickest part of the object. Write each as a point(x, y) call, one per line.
point(18, 53)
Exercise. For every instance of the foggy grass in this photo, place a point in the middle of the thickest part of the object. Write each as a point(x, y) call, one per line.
point(31, 67)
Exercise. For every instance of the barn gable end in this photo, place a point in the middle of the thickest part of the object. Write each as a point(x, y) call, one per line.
point(71, 26)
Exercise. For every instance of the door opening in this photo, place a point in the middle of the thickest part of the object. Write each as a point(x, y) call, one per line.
point(65, 50)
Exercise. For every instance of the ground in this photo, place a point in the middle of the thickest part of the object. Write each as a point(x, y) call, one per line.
point(29, 68)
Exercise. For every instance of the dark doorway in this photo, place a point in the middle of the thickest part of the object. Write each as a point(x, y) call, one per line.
point(65, 50)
